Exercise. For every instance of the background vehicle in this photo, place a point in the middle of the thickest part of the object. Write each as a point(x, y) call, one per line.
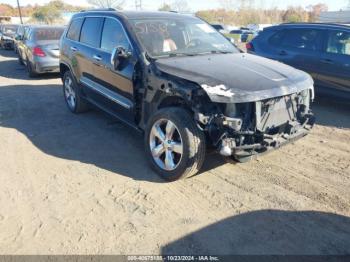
point(39, 49)
point(7, 34)
point(323, 50)
point(171, 77)
point(19, 36)
point(244, 34)
point(220, 28)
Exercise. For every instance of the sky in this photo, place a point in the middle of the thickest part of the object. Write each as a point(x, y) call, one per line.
point(196, 5)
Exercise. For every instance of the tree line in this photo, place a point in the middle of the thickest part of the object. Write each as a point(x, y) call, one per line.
point(232, 12)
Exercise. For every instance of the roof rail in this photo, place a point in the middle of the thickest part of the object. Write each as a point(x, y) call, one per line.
point(99, 9)
point(316, 23)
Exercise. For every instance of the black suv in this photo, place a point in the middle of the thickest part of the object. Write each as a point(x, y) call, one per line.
point(322, 50)
point(183, 84)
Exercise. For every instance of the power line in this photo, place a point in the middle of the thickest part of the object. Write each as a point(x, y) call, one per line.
point(138, 4)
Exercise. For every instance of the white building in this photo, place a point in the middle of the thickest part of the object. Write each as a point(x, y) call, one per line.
point(341, 17)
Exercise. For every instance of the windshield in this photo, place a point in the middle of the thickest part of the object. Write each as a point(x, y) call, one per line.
point(48, 33)
point(9, 29)
point(171, 37)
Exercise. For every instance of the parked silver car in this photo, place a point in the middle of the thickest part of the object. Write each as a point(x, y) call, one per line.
point(39, 49)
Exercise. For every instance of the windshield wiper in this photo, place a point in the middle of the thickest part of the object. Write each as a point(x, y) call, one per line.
point(220, 52)
point(180, 54)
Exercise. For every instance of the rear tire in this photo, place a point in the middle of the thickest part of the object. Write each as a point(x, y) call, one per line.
point(31, 71)
point(186, 139)
point(20, 60)
point(76, 104)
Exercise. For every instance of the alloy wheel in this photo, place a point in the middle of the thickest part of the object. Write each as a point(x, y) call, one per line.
point(69, 93)
point(166, 144)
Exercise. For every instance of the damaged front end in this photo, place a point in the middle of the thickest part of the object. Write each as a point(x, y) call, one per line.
point(244, 130)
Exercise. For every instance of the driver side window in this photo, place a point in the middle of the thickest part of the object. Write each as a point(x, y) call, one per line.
point(113, 35)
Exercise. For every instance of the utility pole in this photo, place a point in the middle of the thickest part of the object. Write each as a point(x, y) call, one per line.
point(19, 11)
point(138, 4)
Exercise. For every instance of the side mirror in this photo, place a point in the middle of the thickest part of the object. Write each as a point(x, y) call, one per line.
point(119, 56)
point(18, 38)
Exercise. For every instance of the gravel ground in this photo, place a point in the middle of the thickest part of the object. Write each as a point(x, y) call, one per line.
point(80, 184)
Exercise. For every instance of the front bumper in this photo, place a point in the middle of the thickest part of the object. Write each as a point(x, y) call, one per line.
point(244, 152)
point(7, 43)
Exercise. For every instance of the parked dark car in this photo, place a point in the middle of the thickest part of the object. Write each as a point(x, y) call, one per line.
point(244, 34)
point(39, 49)
point(7, 34)
point(322, 50)
point(184, 85)
point(220, 28)
point(19, 36)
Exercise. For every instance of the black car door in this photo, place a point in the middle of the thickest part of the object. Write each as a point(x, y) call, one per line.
point(301, 48)
point(335, 62)
point(115, 86)
point(89, 42)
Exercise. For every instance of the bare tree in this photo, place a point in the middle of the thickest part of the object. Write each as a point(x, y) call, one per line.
point(180, 6)
point(118, 4)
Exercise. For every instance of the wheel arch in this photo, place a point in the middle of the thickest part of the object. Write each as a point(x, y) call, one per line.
point(63, 69)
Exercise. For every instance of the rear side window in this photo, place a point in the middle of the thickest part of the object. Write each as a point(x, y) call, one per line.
point(276, 39)
point(74, 29)
point(113, 35)
point(338, 43)
point(308, 39)
point(91, 31)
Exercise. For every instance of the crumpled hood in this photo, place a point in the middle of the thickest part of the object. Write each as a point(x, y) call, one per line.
point(237, 78)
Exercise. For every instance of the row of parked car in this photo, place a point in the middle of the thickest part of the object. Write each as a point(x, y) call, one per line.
point(322, 50)
point(184, 85)
point(37, 46)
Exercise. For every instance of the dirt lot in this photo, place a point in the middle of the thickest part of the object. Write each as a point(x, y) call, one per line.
point(80, 184)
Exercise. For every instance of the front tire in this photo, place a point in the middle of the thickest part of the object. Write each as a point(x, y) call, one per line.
point(76, 104)
point(175, 146)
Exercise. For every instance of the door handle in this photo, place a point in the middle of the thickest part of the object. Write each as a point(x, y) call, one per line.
point(327, 61)
point(97, 57)
point(74, 49)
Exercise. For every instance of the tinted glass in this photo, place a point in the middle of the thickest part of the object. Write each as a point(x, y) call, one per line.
point(276, 39)
point(74, 29)
point(48, 33)
point(91, 31)
point(113, 35)
point(339, 43)
point(308, 39)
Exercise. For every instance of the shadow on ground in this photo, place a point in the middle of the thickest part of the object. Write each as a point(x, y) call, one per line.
point(11, 68)
point(8, 53)
point(269, 232)
point(330, 111)
point(40, 113)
